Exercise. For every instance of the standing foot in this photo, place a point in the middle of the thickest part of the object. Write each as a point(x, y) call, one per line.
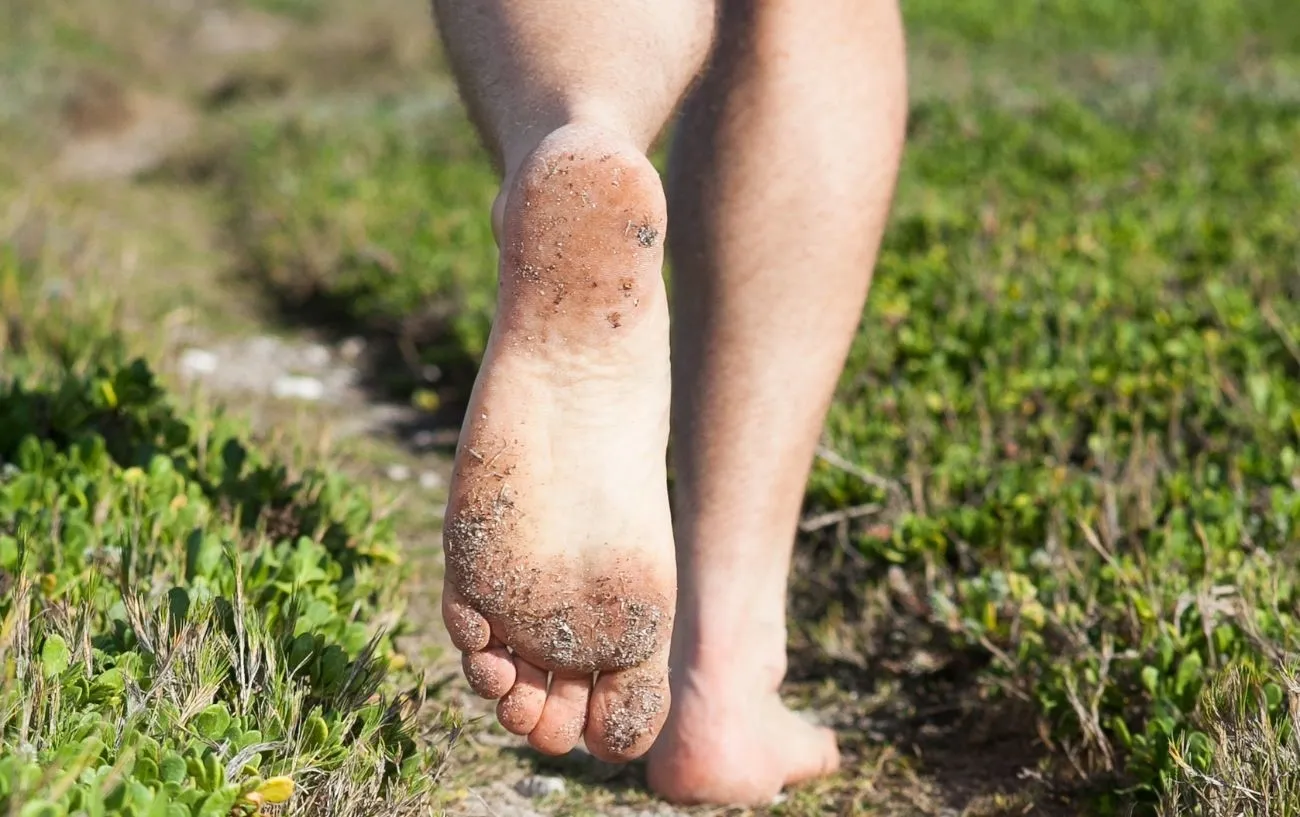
point(731, 741)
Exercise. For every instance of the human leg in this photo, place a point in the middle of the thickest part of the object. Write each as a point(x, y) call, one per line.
point(779, 191)
point(557, 536)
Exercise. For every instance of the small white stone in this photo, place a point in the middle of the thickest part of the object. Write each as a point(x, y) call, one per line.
point(341, 379)
point(195, 362)
point(424, 439)
point(539, 785)
point(430, 480)
point(264, 346)
point(399, 473)
point(299, 388)
point(316, 356)
point(352, 348)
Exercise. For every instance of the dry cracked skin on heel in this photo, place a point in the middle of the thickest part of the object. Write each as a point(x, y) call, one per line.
point(558, 538)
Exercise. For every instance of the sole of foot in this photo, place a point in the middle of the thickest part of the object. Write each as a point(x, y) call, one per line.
point(560, 585)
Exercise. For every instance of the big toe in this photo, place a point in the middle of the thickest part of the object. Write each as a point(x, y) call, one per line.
point(628, 708)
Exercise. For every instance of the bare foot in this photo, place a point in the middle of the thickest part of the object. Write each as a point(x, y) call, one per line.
point(730, 740)
point(558, 537)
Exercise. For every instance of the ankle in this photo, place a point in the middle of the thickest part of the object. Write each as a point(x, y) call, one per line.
point(524, 143)
point(739, 654)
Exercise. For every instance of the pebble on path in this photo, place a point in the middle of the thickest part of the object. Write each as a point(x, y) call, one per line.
point(196, 362)
point(297, 387)
point(539, 785)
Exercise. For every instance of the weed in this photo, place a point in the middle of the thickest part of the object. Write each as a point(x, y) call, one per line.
point(186, 627)
point(1080, 372)
point(1246, 766)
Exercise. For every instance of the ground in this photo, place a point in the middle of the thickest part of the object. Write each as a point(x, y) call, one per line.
point(282, 206)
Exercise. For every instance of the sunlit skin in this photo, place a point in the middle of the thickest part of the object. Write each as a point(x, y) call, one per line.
point(564, 563)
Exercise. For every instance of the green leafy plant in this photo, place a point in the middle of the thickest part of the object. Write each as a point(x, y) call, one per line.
point(1076, 394)
point(186, 628)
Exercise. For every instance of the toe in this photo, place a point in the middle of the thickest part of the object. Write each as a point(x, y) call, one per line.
point(490, 672)
point(521, 708)
point(469, 631)
point(564, 716)
point(628, 708)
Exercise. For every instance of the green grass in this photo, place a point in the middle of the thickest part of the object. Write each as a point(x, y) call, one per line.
point(1191, 28)
point(1079, 368)
point(1075, 399)
point(377, 225)
point(187, 626)
point(1252, 768)
point(190, 624)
